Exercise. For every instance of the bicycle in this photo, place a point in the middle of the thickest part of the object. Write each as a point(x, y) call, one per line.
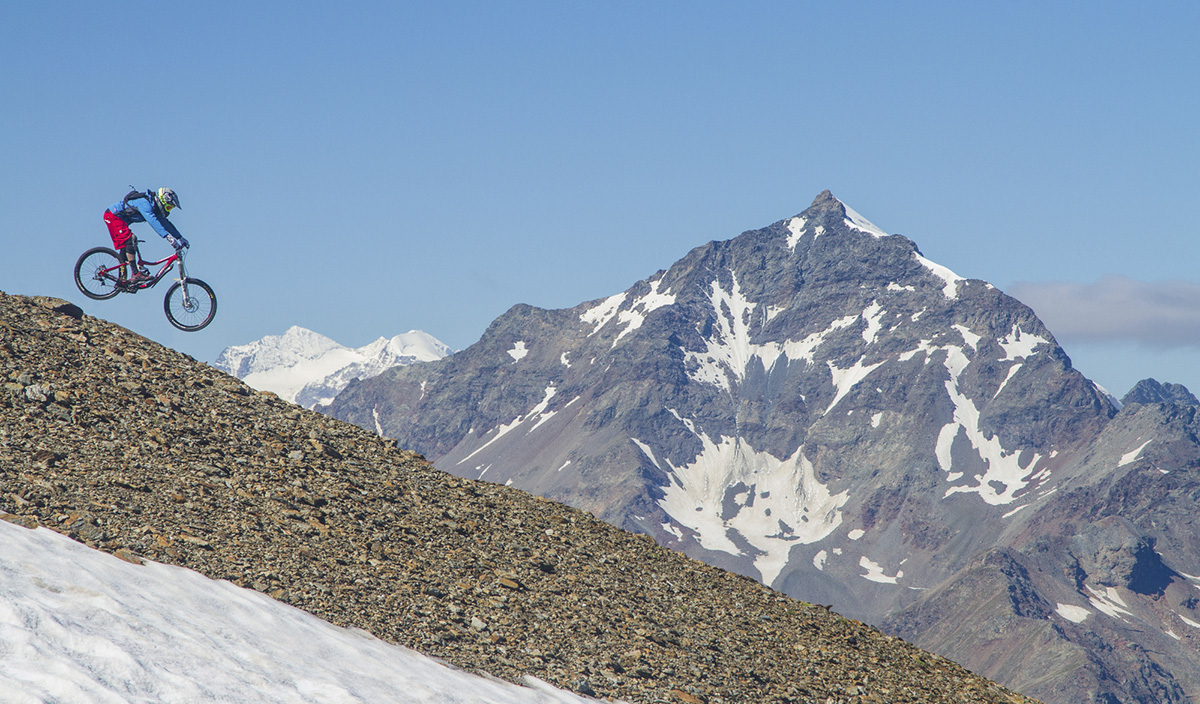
point(190, 304)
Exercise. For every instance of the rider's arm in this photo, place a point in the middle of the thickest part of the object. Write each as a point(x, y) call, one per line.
point(163, 227)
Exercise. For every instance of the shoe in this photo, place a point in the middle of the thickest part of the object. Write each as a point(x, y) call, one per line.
point(133, 283)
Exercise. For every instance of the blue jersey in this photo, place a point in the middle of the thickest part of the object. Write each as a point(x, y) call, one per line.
point(145, 210)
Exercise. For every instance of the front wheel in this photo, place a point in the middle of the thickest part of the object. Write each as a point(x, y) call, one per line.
point(97, 273)
point(190, 305)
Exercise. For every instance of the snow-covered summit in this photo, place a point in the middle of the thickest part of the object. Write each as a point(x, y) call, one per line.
point(308, 368)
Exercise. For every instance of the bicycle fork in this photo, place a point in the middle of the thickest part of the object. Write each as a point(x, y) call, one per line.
point(183, 285)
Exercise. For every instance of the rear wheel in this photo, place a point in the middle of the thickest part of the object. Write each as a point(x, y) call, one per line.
point(191, 305)
point(96, 274)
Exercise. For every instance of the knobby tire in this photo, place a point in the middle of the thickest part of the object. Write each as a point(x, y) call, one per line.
point(203, 308)
point(87, 273)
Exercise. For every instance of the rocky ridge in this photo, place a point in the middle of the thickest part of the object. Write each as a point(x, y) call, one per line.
point(1152, 391)
point(141, 451)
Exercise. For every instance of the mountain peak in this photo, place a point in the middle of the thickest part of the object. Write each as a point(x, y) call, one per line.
point(825, 199)
point(817, 405)
point(1151, 391)
point(826, 210)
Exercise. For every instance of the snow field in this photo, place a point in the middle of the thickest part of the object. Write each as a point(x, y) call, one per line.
point(78, 626)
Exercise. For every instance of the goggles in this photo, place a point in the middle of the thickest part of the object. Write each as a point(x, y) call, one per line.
point(168, 199)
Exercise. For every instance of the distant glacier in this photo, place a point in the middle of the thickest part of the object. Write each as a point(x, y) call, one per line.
point(309, 369)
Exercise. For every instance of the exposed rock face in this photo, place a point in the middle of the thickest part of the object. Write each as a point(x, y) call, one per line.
point(818, 406)
point(1150, 391)
point(141, 451)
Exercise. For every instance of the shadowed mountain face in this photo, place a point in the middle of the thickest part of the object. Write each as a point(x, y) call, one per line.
point(1150, 391)
point(817, 405)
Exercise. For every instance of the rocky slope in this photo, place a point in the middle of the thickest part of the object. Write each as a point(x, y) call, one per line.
point(141, 451)
point(817, 405)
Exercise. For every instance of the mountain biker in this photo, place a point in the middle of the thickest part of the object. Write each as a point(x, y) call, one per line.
point(152, 207)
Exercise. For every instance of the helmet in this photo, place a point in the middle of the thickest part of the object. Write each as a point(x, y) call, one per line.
point(167, 199)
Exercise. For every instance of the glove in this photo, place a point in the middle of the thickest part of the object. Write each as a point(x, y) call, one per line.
point(173, 242)
point(183, 242)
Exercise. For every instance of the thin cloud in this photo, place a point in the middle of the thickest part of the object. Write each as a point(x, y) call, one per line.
point(1117, 308)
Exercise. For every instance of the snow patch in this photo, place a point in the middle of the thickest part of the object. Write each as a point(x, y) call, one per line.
point(844, 380)
point(950, 290)
point(729, 351)
point(1109, 602)
point(1133, 455)
point(599, 315)
point(79, 625)
point(1074, 614)
point(795, 228)
point(1019, 344)
point(819, 560)
point(1005, 475)
point(1108, 394)
point(858, 222)
point(1017, 510)
point(871, 316)
point(856, 534)
point(773, 312)
point(647, 452)
point(518, 351)
point(785, 505)
point(968, 337)
point(1012, 371)
point(632, 318)
point(875, 572)
point(537, 413)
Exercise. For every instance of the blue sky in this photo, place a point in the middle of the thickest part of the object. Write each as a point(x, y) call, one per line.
point(366, 168)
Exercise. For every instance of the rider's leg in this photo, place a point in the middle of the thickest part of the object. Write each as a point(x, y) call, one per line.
point(132, 256)
point(118, 230)
point(130, 252)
